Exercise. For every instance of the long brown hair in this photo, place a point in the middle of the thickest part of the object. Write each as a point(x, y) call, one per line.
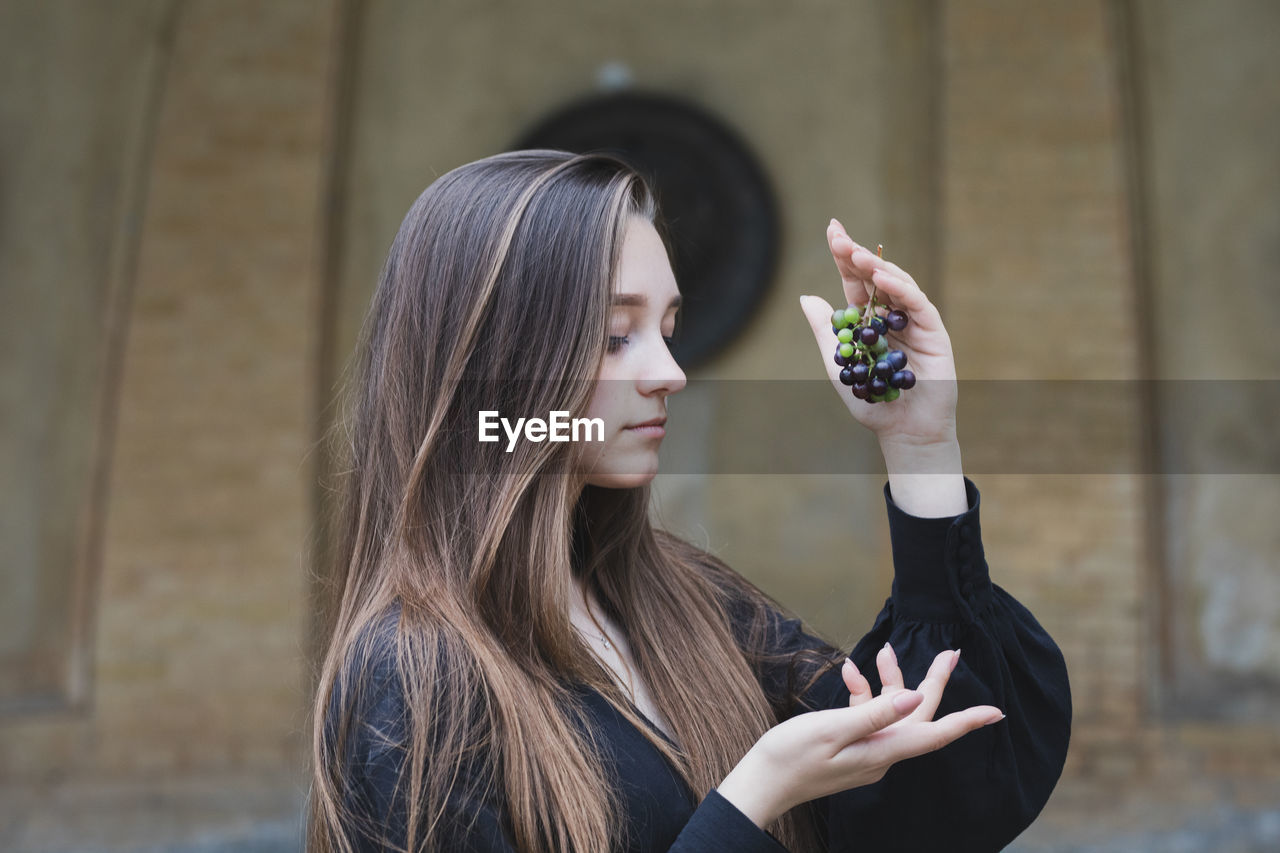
point(459, 557)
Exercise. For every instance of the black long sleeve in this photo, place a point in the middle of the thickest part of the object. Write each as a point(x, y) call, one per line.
point(975, 794)
point(979, 792)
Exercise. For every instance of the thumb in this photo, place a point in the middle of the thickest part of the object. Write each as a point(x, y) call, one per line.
point(818, 312)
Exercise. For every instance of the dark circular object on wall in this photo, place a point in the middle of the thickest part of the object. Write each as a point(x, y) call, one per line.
point(714, 198)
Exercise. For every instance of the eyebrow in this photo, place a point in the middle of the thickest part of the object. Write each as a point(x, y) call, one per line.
point(640, 300)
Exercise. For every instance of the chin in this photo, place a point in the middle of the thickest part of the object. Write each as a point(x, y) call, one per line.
point(629, 480)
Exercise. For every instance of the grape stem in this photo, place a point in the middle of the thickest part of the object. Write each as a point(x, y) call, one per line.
point(871, 301)
point(861, 351)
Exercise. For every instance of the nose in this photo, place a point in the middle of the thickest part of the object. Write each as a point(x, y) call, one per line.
point(663, 375)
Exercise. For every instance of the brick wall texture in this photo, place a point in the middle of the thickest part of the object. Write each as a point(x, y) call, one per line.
point(1045, 127)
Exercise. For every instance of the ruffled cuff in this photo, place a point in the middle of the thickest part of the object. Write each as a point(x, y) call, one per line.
point(940, 569)
point(717, 824)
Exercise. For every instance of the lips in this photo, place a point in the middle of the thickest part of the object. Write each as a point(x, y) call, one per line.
point(653, 422)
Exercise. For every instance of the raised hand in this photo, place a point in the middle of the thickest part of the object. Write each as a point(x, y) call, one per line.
point(926, 413)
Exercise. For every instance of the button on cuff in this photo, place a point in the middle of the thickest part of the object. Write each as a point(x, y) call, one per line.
point(936, 577)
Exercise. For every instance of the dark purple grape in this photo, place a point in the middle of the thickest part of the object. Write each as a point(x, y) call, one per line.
point(869, 336)
point(895, 379)
point(860, 390)
point(861, 373)
point(882, 369)
point(846, 376)
point(908, 379)
point(841, 360)
point(897, 320)
point(878, 324)
point(897, 359)
point(878, 385)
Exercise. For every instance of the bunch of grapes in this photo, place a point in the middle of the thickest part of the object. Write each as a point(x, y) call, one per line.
point(874, 372)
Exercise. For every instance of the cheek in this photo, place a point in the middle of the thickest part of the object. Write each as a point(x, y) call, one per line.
point(605, 403)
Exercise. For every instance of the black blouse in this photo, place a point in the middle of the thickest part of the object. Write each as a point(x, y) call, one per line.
point(976, 794)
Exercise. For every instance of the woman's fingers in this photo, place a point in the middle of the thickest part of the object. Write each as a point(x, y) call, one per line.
point(931, 686)
point(919, 738)
point(860, 268)
point(818, 313)
point(893, 285)
point(856, 287)
point(935, 680)
point(890, 674)
point(914, 737)
point(841, 727)
point(859, 687)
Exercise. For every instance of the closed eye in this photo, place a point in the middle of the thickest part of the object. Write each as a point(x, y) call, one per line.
point(616, 342)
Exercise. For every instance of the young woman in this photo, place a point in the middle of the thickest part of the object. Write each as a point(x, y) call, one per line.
point(522, 662)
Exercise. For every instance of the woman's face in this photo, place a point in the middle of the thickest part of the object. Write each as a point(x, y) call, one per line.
point(638, 371)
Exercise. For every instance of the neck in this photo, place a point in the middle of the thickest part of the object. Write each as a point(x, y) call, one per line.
point(582, 604)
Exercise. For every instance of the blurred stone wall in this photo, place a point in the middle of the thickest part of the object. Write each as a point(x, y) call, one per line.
point(179, 147)
point(196, 200)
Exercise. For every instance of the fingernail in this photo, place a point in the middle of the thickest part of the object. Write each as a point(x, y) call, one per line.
point(852, 664)
point(995, 720)
point(905, 700)
point(891, 654)
point(955, 660)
